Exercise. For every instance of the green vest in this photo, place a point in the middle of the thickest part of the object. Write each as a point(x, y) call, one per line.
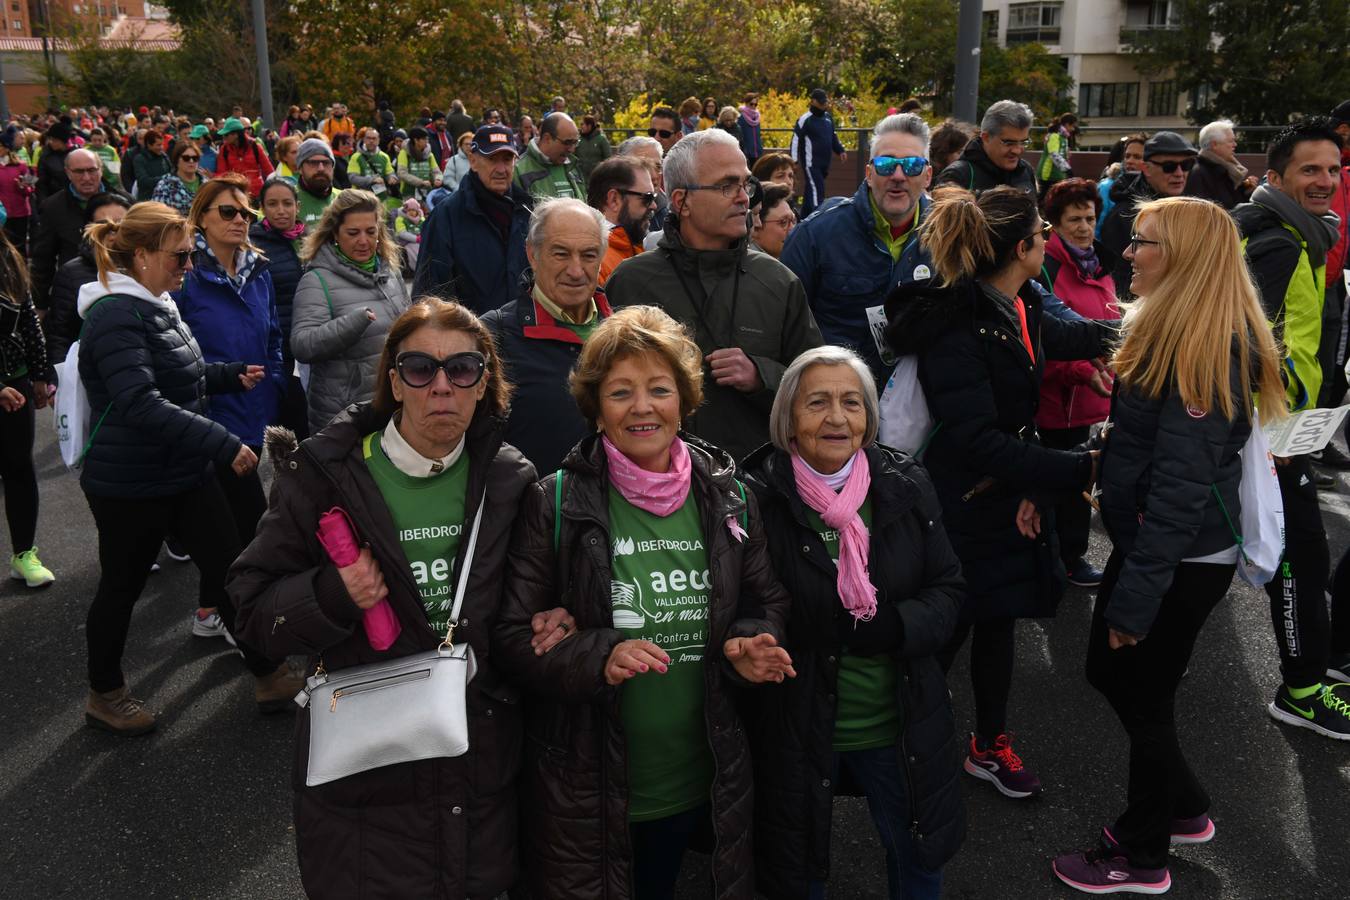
point(311, 208)
point(1299, 327)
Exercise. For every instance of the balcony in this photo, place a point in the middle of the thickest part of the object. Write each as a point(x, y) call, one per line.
point(1130, 34)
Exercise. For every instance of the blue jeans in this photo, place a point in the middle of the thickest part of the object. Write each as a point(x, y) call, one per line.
point(878, 773)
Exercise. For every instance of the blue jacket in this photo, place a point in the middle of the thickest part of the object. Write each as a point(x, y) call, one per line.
point(813, 140)
point(752, 144)
point(233, 325)
point(283, 263)
point(847, 272)
point(463, 256)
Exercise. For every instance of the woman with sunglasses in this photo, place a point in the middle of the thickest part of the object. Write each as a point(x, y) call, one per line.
point(409, 470)
point(147, 465)
point(178, 188)
point(345, 302)
point(981, 341)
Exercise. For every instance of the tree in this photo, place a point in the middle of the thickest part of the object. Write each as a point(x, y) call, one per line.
point(1262, 63)
point(1027, 73)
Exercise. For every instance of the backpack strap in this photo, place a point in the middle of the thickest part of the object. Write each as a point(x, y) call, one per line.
point(557, 510)
point(327, 296)
point(745, 513)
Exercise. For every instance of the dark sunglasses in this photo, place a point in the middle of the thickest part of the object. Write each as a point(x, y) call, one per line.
point(418, 369)
point(1172, 165)
point(659, 132)
point(1044, 233)
point(912, 166)
point(228, 211)
point(648, 198)
point(187, 158)
point(180, 257)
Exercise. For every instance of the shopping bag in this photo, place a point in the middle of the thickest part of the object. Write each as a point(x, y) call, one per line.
point(71, 412)
point(1262, 539)
point(906, 424)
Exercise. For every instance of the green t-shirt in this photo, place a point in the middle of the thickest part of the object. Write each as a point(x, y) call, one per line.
point(312, 207)
point(659, 590)
point(428, 515)
point(866, 716)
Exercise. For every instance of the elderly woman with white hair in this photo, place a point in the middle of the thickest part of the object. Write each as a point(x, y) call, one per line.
point(856, 529)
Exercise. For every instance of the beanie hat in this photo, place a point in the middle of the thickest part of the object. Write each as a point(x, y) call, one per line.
point(312, 147)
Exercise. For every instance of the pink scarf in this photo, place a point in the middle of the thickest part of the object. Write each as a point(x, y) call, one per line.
point(751, 115)
point(290, 234)
point(659, 493)
point(840, 512)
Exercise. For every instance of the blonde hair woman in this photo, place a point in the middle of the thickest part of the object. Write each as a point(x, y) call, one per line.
point(1197, 350)
point(345, 303)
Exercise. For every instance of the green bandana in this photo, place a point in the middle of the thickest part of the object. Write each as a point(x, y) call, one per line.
point(370, 265)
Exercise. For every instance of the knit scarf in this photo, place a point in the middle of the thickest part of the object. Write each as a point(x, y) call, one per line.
point(840, 512)
point(751, 115)
point(659, 493)
point(290, 234)
point(1237, 172)
point(1086, 259)
point(1319, 232)
point(370, 265)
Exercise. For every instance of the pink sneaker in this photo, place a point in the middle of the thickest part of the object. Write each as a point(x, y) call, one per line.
point(1101, 871)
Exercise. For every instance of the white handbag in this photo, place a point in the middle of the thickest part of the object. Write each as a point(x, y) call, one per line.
point(71, 413)
point(1261, 542)
point(393, 711)
point(906, 424)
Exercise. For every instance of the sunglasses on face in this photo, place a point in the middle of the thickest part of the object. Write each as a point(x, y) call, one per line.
point(180, 257)
point(1172, 165)
point(228, 211)
point(186, 158)
point(463, 370)
point(911, 165)
point(662, 133)
point(1044, 233)
point(648, 198)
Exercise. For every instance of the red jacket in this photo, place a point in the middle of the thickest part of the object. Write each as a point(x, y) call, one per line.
point(1066, 399)
point(1340, 205)
point(252, 163)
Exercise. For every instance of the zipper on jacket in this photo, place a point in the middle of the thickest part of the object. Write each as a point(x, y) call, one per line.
point(904, 756)
point(376, 685)
point(279, 620)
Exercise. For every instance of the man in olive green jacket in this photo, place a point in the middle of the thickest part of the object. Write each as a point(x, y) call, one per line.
point(547, 168)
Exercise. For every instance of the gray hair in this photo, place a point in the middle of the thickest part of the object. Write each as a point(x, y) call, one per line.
point(902, 123)
point(1213, 131)
point(781, 426)
point(682, 161)
point(544, 210)
point(1006, 114)
point(636, 141)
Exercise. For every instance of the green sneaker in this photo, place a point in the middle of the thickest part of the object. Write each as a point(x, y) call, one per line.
point(1326, 712)
point(28, 568)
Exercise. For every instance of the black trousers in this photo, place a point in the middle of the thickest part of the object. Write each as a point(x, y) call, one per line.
point(130, 532)
point(1073, 517)
point(246, 500)
point(1298, 605)
point(991, 670)
point(16, 469)
point(1140, 683)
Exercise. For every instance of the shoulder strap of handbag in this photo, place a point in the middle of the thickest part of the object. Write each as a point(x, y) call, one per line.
point(327, 296)
point(464, 570)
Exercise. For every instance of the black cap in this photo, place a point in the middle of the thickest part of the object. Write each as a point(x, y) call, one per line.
point(490, 139)
point(1168, 142)
point(1341, 114)
point(417, 131)
point(437, 115)
point(820, 96)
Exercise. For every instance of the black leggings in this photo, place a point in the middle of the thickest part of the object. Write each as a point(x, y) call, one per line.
point(1073, 516)
point(245, 498)
point(130, 532)
point(1298, 603)
point(16, 469)
point(991, 670)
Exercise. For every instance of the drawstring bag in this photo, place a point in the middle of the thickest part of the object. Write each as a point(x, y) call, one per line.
point(906, 424)
point(1261, 541)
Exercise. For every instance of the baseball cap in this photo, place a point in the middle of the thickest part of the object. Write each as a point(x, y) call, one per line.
point(198, 131)
point(491, 139)
point(231, 125)
point(1165, 142)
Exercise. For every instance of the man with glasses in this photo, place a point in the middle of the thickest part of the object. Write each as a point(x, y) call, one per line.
point(813, 140)
point(547, 168)
point(314, 167)
point(856, 249)
point(994, 157)
point(621, 189)
point(61, 220)
point(1168, 160)
point(747, 312)
point(539, 334)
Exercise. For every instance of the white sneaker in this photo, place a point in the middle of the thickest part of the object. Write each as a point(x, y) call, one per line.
point(211, 626)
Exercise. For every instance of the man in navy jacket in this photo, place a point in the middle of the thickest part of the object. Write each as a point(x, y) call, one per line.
point(813, 140)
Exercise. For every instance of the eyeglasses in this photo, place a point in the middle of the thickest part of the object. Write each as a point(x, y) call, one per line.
point(91, 171)
point(662, 133)
point(1044, 233)
point(648, 198)
point(1136, 240)
point(228, 211)
point(729, 189)
point(1023, 143)
point(180, 257)
point(186, 158)
point(418, 369)
point(1173, 164)
point(786, 222)
point(911, 165)
point(569, 143)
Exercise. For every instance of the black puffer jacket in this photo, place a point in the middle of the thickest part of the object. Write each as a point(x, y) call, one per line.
point(575, 791)
point(62, 324)
point(436, 828)
point(919, 594)
point(140, 364)
point(1130, 190)
point(284, 264)
point(983, 391)
point(1160, 468)
point(976, 172)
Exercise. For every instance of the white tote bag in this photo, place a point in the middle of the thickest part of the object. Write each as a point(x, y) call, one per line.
point(906, 423)
point(71, 412)
point(1261, 542)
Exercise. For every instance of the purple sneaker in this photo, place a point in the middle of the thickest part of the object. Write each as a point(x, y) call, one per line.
point(1195, 830)
point(1100, 871)
point(1002, 768)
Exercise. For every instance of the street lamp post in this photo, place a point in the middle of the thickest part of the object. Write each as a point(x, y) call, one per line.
point(264, 64)
point(968, 60)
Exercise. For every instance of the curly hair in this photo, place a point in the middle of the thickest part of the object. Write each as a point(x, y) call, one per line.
point(1071, 192)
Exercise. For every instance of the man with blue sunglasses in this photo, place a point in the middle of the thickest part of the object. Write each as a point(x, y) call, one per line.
point(856, 249)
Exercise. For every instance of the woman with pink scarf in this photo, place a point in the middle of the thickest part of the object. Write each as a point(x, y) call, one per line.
point(752, 145)
point(855, 531)
point(635, 748)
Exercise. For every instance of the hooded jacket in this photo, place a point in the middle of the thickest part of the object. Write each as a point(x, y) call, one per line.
point(791, 725)
point(434, 828)
point(147, 384)
point(331, 331)
point(976, 172)
point(983, 389)
point(727, 298)
point(574, 783)
point(1066, 399)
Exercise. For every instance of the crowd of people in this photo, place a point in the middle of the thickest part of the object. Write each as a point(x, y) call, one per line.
point(632, 395)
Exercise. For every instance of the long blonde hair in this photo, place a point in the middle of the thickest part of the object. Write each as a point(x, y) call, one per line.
point(1184, 329)
point(344, 204)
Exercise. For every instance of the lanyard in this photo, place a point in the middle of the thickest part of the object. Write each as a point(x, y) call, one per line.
point(698, 306)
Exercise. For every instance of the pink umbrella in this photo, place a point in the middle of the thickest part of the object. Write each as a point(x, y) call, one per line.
point(338, 537)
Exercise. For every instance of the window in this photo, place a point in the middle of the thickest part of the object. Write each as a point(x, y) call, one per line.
point(1034, 22)
point(14, 7)
point(18, 26)
point(1108, 100)
point(991, 25)
point(1162, 98)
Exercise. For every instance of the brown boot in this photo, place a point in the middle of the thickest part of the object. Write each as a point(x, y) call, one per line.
point(276, 692)
point(117, 711)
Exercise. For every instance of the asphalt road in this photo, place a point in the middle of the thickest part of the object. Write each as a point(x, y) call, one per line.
point(201, 808)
